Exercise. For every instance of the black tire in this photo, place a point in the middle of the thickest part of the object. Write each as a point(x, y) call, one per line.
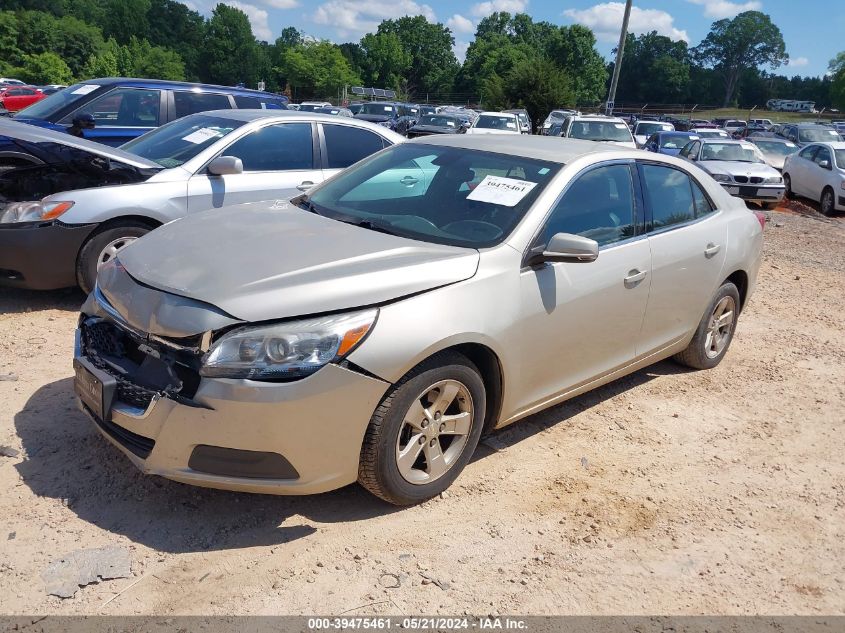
point(827, 204)
point(86, 262)
point(787, 186)
point(378, 471)
point(768, 206)
point(696, 355)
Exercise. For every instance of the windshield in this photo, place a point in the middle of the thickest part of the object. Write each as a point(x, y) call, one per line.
point(779, 149)
point(677, 141)
point(711, 134)
point(557, 115)
point(821, 134)
point(438, 121)
point(45, 108)
point(377, 108)
point(435, 194)
point(310, 107)
point(179, 141)
point(600, 131)
point(496, 122)
point(646, 129)
point(731, 152)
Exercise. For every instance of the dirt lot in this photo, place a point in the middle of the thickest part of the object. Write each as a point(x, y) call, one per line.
point(666, 492)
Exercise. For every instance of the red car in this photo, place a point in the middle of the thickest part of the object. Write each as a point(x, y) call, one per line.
point(15, 98)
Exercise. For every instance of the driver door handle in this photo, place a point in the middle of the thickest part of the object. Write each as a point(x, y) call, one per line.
point(305, 185)
point(712, 249)
point(634, 277)
point(409, 181)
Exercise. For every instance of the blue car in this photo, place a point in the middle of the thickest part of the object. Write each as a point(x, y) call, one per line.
point(123, 109)
point(670, 143)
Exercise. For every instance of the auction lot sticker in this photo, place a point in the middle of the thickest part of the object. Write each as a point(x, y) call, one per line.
point(499, 190)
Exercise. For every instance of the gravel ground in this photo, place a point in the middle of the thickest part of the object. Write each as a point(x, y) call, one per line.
point(669, 491)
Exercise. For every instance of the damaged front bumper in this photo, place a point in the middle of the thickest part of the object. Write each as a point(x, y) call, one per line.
point(299, 437)
point(40, 255)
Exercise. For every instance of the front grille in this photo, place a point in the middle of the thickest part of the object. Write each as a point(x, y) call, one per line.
point(756, 180)
point(134, 443)
point(140, 377)
point(741, 178)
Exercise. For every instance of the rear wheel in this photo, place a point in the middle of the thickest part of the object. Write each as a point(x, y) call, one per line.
point(424, 431)
point(768, 205)
point(102, 248)
point(715, 331)
point(827, 203)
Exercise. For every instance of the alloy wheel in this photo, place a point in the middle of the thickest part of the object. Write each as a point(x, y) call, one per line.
point(827, 202)
point(720, 327)
point(434, 432)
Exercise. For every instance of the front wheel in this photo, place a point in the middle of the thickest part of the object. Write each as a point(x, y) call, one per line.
point(715, 331)
point(787, 186)
point(102, 247)
point(424, 431)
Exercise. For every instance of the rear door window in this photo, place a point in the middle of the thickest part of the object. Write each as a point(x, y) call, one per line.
point(281, 147)
point(192, 102)
point(123, 107)
point(669, 195)
point(346, 145)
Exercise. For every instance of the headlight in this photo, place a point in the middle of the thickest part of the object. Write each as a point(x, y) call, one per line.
point(33, 211)
point(287, 350)
point(773, 180)
point(842, 185)
point(721, 178)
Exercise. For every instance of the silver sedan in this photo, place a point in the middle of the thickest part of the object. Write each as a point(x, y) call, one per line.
point(373, 329)
point(740, 167)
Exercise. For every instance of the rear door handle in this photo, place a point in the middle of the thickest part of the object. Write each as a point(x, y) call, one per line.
point(712, 249)
point(409, 181)
point(634, 277)
point(305, 185)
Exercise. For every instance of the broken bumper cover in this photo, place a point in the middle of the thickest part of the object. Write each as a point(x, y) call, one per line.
point(40, 256)
point(293, 438)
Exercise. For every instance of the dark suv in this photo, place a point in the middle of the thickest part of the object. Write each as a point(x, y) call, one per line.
point(123, 109)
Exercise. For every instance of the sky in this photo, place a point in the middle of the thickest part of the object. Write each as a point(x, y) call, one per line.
point(812, 29)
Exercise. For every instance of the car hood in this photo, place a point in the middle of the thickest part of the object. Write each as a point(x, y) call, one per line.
point(733, 168)
point(775, 160)
point(670, 152)
point(42, 143)
point(432, 129)
point(373, 118)
point(264, 261)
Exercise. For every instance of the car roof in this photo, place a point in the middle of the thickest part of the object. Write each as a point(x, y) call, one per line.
point(495, 113)
point(832, 144)
point(549, 148)
point(770, 139)
point(169, 84)
point(603, 117)
point(248, 115)
point(675, 133)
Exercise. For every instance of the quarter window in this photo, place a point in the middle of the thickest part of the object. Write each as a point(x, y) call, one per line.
point(193, 102)
point(598, 205)
point(669, 194)
point(282, 147)
point(346, 145)
point(702, 204)
point(124, 107)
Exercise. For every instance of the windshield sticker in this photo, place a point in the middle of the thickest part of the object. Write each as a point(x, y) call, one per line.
point(202, 135)
point(511, 124)
point(832, 132)
point(450, 123)
point(790, 144)
point(504, 191)
point(388, 109)
point(619, 126)
point(543, 171)
point(84, 90)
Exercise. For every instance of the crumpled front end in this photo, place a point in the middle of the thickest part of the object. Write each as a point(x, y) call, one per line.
point(146, 395)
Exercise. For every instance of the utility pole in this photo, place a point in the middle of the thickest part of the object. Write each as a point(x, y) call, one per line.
point(620, 50)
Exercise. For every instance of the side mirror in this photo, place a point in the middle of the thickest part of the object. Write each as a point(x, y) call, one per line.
point(226, 165)
point(825, 164)
point(566, 247)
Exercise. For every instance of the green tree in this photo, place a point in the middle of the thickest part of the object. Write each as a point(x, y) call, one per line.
point(539, 86)
point(154, 62)
point(70, 38)
point(317, 69)
point(230, 52)
point(385, 62)
point(9, 42)
point(175, 26)
point(44, 68)
point(836, 68)
point(656, 70)
point(573, 51)
point(749, 40)
point(125, 19)
point(433, 63)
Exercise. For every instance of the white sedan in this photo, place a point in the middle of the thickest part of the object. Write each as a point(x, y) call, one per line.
point(495, 123)
point(818, 172)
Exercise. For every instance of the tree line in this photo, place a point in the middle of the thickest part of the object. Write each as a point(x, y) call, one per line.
point(513, 61)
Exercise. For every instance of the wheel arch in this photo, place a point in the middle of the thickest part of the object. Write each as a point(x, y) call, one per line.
point(739, 278)
point(152, 223)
